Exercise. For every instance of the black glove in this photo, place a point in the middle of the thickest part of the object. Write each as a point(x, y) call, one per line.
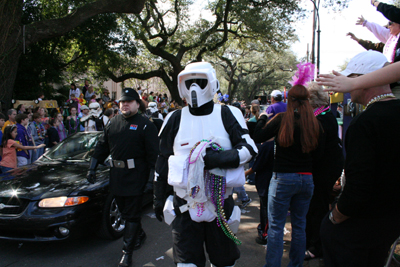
point(226, 159)
point(159, 198)
point(149, 186)
point(91, 174)
point(158, 207)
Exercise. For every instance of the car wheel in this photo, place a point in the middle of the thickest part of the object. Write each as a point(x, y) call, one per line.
point(112, 225)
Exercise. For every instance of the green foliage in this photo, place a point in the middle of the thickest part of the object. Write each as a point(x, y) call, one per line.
point(335, 5)
point(171, 34)
point(59, 61)
point(160, 41)
point(248, 69)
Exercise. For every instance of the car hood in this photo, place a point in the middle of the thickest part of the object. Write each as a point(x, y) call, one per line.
point(40, 180)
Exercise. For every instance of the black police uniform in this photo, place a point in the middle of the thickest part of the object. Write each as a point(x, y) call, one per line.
point(133, 145)
point(129, 138)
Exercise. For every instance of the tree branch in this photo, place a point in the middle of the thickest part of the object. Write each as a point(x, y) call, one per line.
point(57, 27)
point(225, 36)
point(140, 76)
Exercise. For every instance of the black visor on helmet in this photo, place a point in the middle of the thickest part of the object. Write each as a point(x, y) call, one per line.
point(200, 82)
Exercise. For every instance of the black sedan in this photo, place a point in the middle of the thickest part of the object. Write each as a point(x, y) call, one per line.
point(52, 200)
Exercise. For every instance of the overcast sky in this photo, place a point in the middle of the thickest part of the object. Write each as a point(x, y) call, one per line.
point(336, 47)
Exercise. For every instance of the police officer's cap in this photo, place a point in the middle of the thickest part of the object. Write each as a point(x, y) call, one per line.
point(129, 94)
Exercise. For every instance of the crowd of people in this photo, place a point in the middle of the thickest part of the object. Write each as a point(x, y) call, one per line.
point(293, 149)
point(40, 128)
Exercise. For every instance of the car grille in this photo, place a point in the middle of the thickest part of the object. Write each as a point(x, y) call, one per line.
point(12, 205)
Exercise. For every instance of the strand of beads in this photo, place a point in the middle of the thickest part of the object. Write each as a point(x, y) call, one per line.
point(221, 218)
point(217, 189)
point(216, 147)
point(194, 147)
point(379, 98)
point(321, 110)
point(200, 209)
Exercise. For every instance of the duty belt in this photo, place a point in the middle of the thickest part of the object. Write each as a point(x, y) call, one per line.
point(129, 163)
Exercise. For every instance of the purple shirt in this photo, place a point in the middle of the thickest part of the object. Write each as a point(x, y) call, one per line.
point(23, 138)
point(276, 108)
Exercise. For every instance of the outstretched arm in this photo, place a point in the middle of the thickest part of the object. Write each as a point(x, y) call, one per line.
point(391, 12)
point(339, 83)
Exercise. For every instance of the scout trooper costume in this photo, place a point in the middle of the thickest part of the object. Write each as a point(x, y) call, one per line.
point(202, 136)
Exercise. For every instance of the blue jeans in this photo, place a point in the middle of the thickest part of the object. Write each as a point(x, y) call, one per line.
point(288, 190)
point(241, 193)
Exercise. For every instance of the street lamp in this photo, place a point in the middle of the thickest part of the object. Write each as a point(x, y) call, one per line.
point(316, 11)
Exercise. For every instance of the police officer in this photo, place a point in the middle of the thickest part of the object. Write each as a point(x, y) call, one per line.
point(132, 141)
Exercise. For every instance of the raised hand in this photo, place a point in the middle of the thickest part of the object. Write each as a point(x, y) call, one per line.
point(352, 36)
point(336, 82)
point(360, 20)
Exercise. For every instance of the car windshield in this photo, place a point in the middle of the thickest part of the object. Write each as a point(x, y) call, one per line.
point(77, 147)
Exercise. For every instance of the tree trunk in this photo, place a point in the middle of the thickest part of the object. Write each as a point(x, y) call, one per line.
point(10, 47)
point(174, 90)
point(14, 36)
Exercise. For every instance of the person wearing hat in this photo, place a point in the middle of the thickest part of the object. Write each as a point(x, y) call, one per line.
point(365, 221)
point(132, 141)
point(277, 106)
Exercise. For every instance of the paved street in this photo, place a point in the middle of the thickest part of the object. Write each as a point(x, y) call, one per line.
point(157, 251)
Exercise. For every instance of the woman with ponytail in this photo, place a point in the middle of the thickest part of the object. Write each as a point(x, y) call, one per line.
point(296, 133)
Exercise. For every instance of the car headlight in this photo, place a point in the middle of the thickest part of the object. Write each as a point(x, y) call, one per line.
point(59, 202)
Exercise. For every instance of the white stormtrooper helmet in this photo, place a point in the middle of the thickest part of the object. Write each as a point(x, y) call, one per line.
point(152, 106)
point(95, 109)
point(198, 83)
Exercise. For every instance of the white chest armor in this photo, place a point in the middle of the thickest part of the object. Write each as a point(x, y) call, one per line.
point(193, 129)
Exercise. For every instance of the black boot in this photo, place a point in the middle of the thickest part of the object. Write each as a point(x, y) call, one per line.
point(130, 236)
point(126, 259)
point(140, 239)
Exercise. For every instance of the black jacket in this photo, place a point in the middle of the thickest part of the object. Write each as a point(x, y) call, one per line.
point(372, 163)
point(129, 138)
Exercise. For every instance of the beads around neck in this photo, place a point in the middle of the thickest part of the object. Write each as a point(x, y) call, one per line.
point(379, 98)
